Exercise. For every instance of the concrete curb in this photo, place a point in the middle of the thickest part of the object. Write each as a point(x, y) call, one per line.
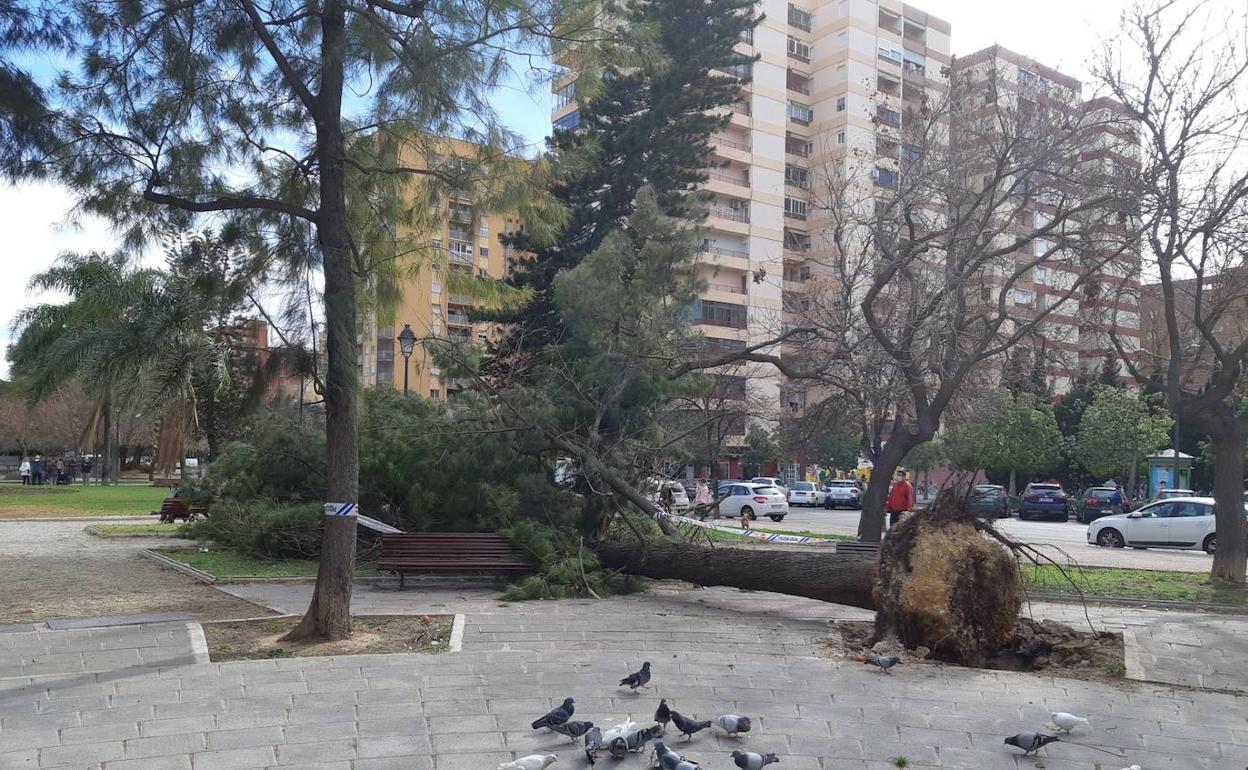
point(1134, 668)
point(456, 643)
point(125, 517)
point(199, 644)
point(165, 561)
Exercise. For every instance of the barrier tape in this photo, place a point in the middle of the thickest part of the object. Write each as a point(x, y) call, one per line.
point(767, 537)
point(341, 509)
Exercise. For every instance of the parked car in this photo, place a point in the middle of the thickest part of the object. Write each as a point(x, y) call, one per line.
point(806, 493)
point(1181, 522)
point(990, 500)
point(1094, 503)
point(755, 499)
point(1170, 494)
point(771, 481)
point(680, 498)
point(1046, 501)
point(842, 493)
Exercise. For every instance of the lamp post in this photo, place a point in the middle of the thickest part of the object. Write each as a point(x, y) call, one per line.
point(407, 342)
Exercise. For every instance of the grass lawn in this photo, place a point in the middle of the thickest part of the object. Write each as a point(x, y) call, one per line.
point(1133, 584)
point(18, 502)
point(228, 563)
point(137, 529)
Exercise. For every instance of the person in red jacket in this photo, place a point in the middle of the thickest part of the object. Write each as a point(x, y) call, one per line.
point(900, 499)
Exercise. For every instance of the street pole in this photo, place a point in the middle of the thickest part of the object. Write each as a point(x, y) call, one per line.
point(407, 343)
point(405, 368)
point(1174, 478)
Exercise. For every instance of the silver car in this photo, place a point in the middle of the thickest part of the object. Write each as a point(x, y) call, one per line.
point(806, 493)
point(842, 493)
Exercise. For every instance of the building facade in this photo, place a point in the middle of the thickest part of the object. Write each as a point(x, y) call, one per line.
point(463, 239)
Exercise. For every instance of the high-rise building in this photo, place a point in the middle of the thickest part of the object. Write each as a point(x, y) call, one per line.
point(464, 239)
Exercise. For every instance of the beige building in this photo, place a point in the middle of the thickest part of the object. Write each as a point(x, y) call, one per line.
point(464, 239)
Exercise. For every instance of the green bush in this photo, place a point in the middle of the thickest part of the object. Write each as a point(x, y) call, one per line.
point(566, 567)
point(279, 459)
point(262, 528)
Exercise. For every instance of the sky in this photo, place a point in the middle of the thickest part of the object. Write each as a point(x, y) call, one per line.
point(1058, 33)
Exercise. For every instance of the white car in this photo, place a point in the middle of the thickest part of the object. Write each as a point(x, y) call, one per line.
point(806, 493)
point(842, 493)
point(680, 498)
point(1180, 522)
point(772, 481)
point(756, 499)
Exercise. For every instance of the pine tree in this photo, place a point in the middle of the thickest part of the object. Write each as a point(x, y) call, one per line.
point(649, 125)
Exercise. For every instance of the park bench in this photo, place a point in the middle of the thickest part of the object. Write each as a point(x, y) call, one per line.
point(854, 546)
point(440, 552)
point(174, 508)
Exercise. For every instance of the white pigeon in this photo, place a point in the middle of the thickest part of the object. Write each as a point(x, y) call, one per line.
point(531, 762)
point(1133, 767)
point(619, 731)
point(1067, 722)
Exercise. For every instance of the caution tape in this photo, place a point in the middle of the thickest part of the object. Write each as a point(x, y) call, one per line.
point(767, 537)
point(341, 509)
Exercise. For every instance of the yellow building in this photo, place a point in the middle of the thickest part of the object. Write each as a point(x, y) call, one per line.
point(464, 239)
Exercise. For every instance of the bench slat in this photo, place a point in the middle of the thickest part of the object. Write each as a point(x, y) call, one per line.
point(448, 552)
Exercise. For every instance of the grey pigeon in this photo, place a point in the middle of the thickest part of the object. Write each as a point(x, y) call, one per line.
point(638, 678)
point(635, 741)
point(663, 714)
point(687, 726)
point(1030, 743)
point(670, 760)
point(557, 716)
point(733, 724)
point(748, 760)
point(572, 728)
point(883, 662)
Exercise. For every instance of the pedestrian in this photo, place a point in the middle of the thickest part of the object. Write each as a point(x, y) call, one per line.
point(703, 500)
point(665, 497)
point(36, 470)
point(85, 469)
point(60, 472)
point(900, 499)
point(24, 470)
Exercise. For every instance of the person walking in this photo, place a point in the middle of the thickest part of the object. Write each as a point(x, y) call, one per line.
point(24, 470)
point(900, 499)
point(60, 472)
point(703, 500)
point(85, 469)
point(36, 470)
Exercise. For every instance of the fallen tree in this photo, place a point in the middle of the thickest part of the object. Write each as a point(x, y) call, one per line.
point(838, 578)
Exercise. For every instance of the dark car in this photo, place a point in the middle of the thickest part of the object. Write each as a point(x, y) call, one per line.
point(1043, 501)
point(990, 500)
point(1096, 502)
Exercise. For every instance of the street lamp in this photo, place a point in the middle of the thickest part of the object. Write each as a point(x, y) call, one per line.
point(407, 342)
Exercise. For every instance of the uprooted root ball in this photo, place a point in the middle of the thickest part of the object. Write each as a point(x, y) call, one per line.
point(945, 586)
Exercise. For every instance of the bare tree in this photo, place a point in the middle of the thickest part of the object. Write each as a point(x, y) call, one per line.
point(964, 224)
point(1181, 71)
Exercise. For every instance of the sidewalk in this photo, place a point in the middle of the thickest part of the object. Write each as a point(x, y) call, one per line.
point(470, 710)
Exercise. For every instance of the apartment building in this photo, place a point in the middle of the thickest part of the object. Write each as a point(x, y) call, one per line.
point(1075, 336)
point(463, 238)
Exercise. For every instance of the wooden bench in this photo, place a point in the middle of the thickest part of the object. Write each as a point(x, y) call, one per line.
point(442, 552)
point(855, 546)
point(174, 508)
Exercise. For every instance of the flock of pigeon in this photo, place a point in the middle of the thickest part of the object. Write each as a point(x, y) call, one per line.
point(630, 737)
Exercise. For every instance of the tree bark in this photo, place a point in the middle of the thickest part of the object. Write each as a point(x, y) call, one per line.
point(1231, 556)
point(106, 456)
point(871, 522)
point(329, 614)
point(847, 579)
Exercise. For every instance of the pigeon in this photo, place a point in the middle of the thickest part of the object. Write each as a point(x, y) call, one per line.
point(733, 724)
point(638, 678)
point(531, 762)
point(748, 760)
point(688, 726)
point(557, 716)
point(635, 741)
point(1067, 722)
point(1133, 767)
point(572, 728)
point(619, 731)
point(670, 760)
point(663, 714)
point(882, 662)
point(1030, 743)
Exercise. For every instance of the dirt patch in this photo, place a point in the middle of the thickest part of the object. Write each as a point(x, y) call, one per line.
point(1033, 646)
point(262, 639)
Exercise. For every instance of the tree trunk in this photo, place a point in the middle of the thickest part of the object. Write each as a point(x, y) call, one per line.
point(838, 578)
point(329, 614)
point(1231, 555)
point(871, 522)
point(211, 435)
point(105, 460)
point(1013, 487)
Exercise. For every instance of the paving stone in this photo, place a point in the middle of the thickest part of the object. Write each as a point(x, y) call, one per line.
point(117, 620)
point(233, 759)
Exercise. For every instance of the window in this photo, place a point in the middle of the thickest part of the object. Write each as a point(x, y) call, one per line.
point(569, 121)
point(436, 288)
point(914, 62)
point(565, 95)
point(890, 51)
point(799, 50)
point(436, 309)
point(1041, 275)
point(483, 251)
point(435, 393)
point(840, 137)
point(840, 104)
point(796, 176)
point(719, 314)
point(800, 113)
point(800, 18)
point(886, 178)
point(795, 208)
point(1026, 78)
point(888, 117)
point(1024, 297)
point(483, 232)
point(910, 153)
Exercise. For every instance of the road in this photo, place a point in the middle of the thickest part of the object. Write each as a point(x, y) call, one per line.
point(1063, 541)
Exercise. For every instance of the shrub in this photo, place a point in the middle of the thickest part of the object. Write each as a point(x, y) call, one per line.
point(566, 567)
point(279, 459)
point(262, 528)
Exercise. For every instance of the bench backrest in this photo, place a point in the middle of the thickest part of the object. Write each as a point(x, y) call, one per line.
point(444, 545)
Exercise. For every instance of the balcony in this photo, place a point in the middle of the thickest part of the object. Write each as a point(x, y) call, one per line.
point(459, 299)
point(799, 83)
point(724, 286)
point(459, 214)
point(799, 18)
point(890, 21)
point(732, 214)
point(887, 117)
point(800, 114)
point(719, 314)
point(741, 108)
point(732, 144)
point(459, 335)
point(740, 179)
point(457, 319)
